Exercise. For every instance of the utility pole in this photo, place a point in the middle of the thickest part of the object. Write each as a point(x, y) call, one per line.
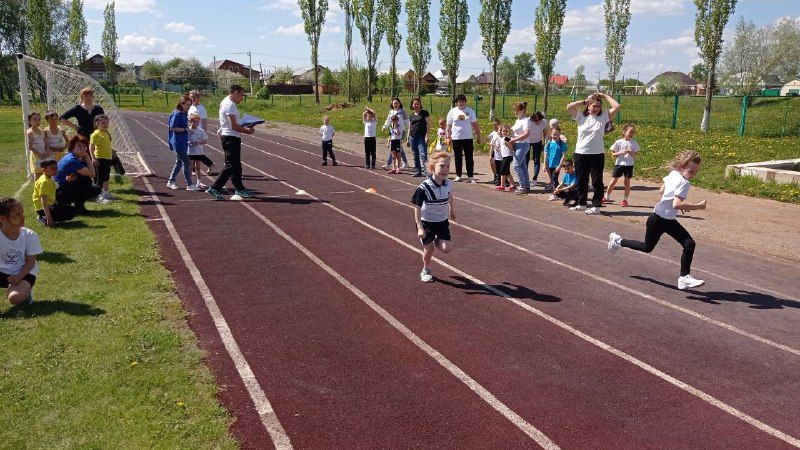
point(637, 83)
point(250, 66)
point(598, 80)
point(214, 65)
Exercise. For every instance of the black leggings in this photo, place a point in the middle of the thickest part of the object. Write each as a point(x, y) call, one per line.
point(656, 226)
point(327, 149)
point(465, 147)
point(369, 151)
point(590, 166)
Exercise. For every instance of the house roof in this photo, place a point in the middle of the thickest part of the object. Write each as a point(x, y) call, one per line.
point(90, 66)
point(485, 78)
point(682, 78)
point(304, 70)
point(465, 79)
point(560, 80)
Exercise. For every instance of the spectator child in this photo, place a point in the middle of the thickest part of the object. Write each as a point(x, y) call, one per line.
point(554, 155)
point(44, 196)
point(624, 149)
point(197, 139)
point(18, 249)
point(370, 134)
point(568, 187)
point(433, 205)
point(36, 143)
point(505, 148)
point(441, 137)
point(55, 137)
point(493, 158)
point(327, 132)
point(395, 143)
point(100, 145)
point(664, 218)
point(198, 108)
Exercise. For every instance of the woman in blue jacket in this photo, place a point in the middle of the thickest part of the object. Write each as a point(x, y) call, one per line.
point(179, 142)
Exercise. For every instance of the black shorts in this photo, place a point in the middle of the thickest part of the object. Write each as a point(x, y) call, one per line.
point(505, 169)
point(434, 231)
point(197, 157)
point(103, 171)
point(619, 171)
point(395, 145)
point(31, 279)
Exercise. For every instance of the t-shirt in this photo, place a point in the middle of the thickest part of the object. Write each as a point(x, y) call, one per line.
point(55, 139)
point(555, 150)
point(68, 165)
point(100, 143)
point(85, 118)
point(520, 126)
point(461, 122)
point(178, 140)
point(505, 151)
point(327, 132)
point(569, 178)
point(200, 110)
point(401, 120)
point(590, 133)
point(198, 134)
point(396, 131)
point(433, 199)
point(418, 126)
point(537, 131)
point(44, 186)
point(370, 128)
point(13, 253)
point(674, 186)
point(228, 108)
point(622, 144)
point(496, 142)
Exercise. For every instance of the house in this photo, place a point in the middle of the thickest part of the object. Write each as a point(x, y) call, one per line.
point(686, 84)
point(428, 82)
point(791, 88)
point(559, 80)
point(233, 66)
point(305, 75)
point(485, 80)
point(95, 67)
point(441, 75)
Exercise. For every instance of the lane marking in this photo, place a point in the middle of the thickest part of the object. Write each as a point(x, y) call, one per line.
point(343, 192)
point(21, 188)
point(263, 407)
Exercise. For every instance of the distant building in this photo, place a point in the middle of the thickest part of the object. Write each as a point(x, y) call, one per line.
point(686, 84)
point(95, 67)
point(559, 80)
point(791, 88)
point(305, 75)
point(235, 67)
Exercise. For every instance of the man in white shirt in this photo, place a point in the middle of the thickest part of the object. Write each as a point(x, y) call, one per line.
point(230, 134)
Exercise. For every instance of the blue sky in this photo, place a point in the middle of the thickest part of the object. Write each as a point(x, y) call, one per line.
point(660, 36)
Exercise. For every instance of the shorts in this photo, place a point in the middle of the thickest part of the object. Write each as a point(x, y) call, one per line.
point(619, 171)
point(31, 279)
point(395, 145)
point(435, 231)
point(103, 171)
point(196, 157)
point(505, 169)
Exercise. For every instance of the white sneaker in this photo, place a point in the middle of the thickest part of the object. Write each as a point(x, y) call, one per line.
point(593, 210)
point(425, 276)
point(578, 208)
point(457, 179)
point(552, 198)
point(472, 180)
point(110, 197)
point(172, 185)
point(194, 187)
point(688, 282)
point(201, 185)
point(402, 165)
point(385, 167)
point(102, 200)
point(614, 242)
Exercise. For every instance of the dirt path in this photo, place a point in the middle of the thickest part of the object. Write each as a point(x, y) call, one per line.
point(739, 222)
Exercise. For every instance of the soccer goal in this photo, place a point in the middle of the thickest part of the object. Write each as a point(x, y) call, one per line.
point(47, 86)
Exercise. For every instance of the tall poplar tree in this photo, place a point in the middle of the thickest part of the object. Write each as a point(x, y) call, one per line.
point(366, 19)
point(388, 16)
point(347, 9)
point(618, 16)
point(418, 42)
point(109, 42)
point(547, 26)
point(710, 21)
point(495, 23)
point(313, 12)
point(41, 28)
point(453, 23)
point(78, 48)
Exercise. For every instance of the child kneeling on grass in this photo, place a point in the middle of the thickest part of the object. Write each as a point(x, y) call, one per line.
point(44, 196)
point(18, 249)
point(433, 205)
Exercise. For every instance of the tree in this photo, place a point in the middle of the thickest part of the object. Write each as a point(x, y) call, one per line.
point(78, 48)
point(367, 22)
point(547, 26)
point(745, 60)
point(347, 9)
point(127, 77)
point(618, 16)
point(699, 72)
point(358, 75)
point(13, 36)
point(282, 75)
point(507, 73)
point(109, 40)
point(189, 72)
point(388, 15)
point(313, 12)
point(152, 69)
point(328, 79)
point(668, 86)
point(526, 64)
point(59, 39)
point(453, 23)
point(710, 21)
point(495, 23)
point(41, 28)
point(418, 42)
point(578, 80)
point(787, 39)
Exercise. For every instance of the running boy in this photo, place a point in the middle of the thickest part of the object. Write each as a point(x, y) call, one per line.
point(433, 205)
point(18, 249)
point(624, 149)
point(100, 145)
point(664, 217)
point(327, 132)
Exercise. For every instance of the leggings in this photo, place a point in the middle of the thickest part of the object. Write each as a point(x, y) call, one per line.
point(656, 226)
point(587, 166)
point(466, 148)
point(369, 151)
point(536, 151)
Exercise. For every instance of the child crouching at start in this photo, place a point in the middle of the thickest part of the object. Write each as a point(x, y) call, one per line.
point(433, 206)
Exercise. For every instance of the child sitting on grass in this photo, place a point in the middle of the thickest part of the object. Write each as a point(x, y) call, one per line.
point(44, 196)
point(18, 249)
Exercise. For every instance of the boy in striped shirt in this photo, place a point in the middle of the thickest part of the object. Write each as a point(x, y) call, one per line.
point(433, 201)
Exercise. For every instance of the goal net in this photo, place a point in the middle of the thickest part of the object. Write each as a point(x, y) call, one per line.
point(47, 86)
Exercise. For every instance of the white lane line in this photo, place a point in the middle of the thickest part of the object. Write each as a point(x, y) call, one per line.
point(344, 192)
point(462, 376)
point(264, 408)
point(21, 188)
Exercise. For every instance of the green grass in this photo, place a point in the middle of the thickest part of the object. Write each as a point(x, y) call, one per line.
point(104, 358)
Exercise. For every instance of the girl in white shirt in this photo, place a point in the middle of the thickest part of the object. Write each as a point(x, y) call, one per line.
point(520, 140)
point(462, 125)
point(370, 133)
point(36, 144)
point(624, 150)
point(55, 138)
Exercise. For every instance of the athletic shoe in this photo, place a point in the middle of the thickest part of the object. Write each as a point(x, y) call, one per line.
point(550, 187)
point(578, 208)
point(614, 242)
point(593, 210)
point(193, 187)
point(418, 174)
point(102, 200)
point(499, 188)
point(688, 282)
point(334, 163)
point(42, 219)
point(28, 301)
point(324, 163)
point(244, 193)
point(624, 204)
point(457, 179)
point(215, 193)
point(426, 276)
point(372, 166)
point(384, 167)
point(110, 197)
point(472, 180)
point(208, 169)
point(552, 198)
point(402, 165)
point(201, 185)
point(172, 185)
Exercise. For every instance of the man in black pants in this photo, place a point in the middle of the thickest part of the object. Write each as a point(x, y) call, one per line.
point(230, 133)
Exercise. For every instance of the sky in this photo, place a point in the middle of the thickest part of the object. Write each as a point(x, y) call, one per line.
point(660, 35)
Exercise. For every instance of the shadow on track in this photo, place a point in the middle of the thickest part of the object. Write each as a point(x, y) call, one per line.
point(49, 307)
point(511, 290)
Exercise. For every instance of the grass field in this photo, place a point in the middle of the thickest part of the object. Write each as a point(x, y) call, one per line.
point(104, 358)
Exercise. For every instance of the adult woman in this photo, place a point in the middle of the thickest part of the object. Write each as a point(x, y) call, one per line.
point(396, 109)
point(179, 143)
point(462, 125)
point(84, 112)
point(521, 141)
point(75, 174)
point(418, 136)
point(539, 129)
point(590, 148)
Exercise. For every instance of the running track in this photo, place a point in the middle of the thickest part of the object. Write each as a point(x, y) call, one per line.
point(321, 335)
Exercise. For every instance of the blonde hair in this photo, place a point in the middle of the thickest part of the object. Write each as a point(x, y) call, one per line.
point(626, 126)
point(434, 158)
point(84, 91)
point(442, 121)
point(194, 116)
point(684, 157)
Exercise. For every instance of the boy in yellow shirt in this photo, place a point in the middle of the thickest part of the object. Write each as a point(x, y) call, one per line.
point(100, 146)
point(44, 196)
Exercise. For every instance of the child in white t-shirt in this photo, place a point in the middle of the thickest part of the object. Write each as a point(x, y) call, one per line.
point(624, 150)
point(18, 249)
point(327, 132)
point(505, 150)
point(664, 217)
point(197, 139)
point(370, 136)
point(492, 156)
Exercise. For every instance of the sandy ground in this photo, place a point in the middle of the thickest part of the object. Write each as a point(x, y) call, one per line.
point(736, 221)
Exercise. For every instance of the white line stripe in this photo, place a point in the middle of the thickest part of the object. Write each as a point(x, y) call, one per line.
point(257, 395)
point(344, 192)
point(21, 188)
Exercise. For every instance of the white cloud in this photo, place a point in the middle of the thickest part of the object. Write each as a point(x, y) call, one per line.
point(282, 5)
point(519, 40)
point(295, 30)
point(179, 27)
point(197, 38)
point(132, 6)
point(590, 19)
point(331, 30)
point(137, 43)
point(659, 7)
point(589, 57)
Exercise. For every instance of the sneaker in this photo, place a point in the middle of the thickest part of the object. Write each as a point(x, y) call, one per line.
point(614, 242)
point(578, 208)
point(688, 282)
point(172, 185)
point(366, 166)
point(208, 169)
point(201, 185)
point(402, 165)
point(334, 163)
point(593, 210)
point(552, 198)
point(384, 167)
point(624, 204)
point(42, 220)
point(472, 180)
point(193, 187)
point(102, 200)
point(29, 300)
point(214, 193)
point(324, 163)
point(426, 276)
point(244, 193)
point(550, 187)
point(457, 179)
point(418, 174)
point(110, 197)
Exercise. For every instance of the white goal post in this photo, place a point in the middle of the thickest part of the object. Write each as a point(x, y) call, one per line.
point(47, 86)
